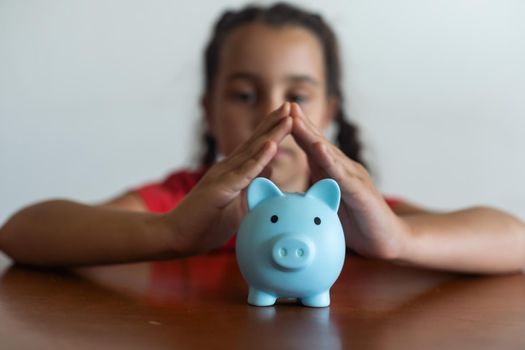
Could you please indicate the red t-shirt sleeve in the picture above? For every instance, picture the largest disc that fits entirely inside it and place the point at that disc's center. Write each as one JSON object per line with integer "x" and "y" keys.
{"x": 161, "y": 197}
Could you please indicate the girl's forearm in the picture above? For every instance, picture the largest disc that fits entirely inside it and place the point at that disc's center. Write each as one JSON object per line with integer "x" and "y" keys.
{"x": 475, "y": 240}
{"x": 65, "y": 233}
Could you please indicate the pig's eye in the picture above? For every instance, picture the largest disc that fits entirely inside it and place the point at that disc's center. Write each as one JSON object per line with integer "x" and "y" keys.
{"x": 274, "y": 219}
{"x": 317, "y": 221}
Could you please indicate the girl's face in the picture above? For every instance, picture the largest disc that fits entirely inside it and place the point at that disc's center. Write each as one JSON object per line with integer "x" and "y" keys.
{"x": 261, "y": 67}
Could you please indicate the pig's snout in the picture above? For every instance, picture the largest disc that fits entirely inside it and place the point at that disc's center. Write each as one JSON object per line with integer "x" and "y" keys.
{"x": 293, "y": 252}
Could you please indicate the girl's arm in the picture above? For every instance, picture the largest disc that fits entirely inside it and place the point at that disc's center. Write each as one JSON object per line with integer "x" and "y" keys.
{"x": 477, "y": 240}
{"x": 66, "y": 233}
{"x": 61, "y": 232}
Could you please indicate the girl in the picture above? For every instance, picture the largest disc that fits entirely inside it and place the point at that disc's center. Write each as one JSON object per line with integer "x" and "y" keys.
{"x": 272, "y": 87}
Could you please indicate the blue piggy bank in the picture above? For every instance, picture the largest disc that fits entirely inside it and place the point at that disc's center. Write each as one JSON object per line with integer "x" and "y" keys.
{"x": 291, "y": 245}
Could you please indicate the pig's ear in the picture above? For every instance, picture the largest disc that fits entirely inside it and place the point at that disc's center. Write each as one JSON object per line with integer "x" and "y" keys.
{"x": 328, "y": 191}
{"x": 261, "y": 189}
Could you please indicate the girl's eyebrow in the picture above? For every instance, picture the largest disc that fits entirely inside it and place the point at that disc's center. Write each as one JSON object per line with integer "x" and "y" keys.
{"x": 301, "y": 79}
{"x": 242, "y": 75}
{"x": 293, "y": 78}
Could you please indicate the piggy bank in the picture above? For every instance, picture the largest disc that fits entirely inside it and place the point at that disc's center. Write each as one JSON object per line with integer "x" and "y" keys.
{"x": 291, "y": 245}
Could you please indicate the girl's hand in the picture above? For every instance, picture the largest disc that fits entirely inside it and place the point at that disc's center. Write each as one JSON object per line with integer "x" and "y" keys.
{"x": 211, "y": 213}
{"x": 371, "y": 227}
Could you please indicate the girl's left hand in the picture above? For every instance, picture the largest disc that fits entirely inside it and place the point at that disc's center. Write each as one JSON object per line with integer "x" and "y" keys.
{"x": 371, "y": 227}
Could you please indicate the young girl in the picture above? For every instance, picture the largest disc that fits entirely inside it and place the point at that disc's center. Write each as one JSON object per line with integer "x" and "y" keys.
{"x": 272, "y": 87}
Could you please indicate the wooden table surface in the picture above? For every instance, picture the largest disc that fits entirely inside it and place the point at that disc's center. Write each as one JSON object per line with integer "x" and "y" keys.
{"x": 200, "y": 302}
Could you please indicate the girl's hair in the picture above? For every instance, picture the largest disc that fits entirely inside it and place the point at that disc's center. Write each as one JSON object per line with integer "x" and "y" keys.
{"x": 279, "y": 15}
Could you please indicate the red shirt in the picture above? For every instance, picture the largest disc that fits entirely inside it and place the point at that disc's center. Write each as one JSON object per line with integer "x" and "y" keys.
{"x": 161, "y": 197}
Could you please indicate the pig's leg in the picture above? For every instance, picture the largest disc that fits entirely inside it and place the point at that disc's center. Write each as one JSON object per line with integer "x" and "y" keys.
{"x": 259, "y": 298}
{"x": 318, "y": 300}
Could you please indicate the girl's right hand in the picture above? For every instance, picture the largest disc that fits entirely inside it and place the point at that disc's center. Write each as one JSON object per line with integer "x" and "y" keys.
{"x": 211, "y": 212}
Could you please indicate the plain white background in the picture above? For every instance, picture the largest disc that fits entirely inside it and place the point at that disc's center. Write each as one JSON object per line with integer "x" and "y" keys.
{"x": 97, "y": 97}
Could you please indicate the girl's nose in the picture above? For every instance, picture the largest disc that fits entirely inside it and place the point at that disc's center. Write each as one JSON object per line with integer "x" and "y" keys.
{"x": 268, "y": 106}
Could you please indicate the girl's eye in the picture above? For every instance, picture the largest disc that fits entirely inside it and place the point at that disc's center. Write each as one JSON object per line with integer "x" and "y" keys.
{"x": 298, "y": 98}
{"x": 245, "y": 97}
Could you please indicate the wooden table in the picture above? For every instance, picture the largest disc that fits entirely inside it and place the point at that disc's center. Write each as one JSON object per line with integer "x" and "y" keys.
{"x": 200, "y": 302}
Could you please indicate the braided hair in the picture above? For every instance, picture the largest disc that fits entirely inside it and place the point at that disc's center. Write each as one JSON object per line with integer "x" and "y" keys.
{"x": 279, "y": 15}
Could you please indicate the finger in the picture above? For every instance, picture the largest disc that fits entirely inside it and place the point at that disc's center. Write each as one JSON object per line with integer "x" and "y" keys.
{"x": 336, "y": 162}
{"x": 305, "y": 134}
{"x": 347, "y": 164}
{"x": 276, "y": 135}
{"x": 297, "y": 112}
{"x": 325, "y": 160}
{"x": 271, "y": 120}
{"x": 311, "y": 136}
{"x": 340, "y": 169}
{"x": 316, "y": 172}
{"x": 239, "y": 178}
{"x": 245, "y": 168}
{"x": 268, "y": 123}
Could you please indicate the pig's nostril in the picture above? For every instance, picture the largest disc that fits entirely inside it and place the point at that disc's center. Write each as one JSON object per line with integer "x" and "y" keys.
{"x": 293, "y": 252}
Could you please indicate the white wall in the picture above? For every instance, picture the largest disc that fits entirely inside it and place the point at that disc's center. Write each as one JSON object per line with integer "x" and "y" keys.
{"x": 100, "y": 96}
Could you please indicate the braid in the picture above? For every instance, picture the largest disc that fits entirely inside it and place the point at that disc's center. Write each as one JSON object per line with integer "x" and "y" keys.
{"x": 348, "y": 138}
{"x": 210, "y": 154}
